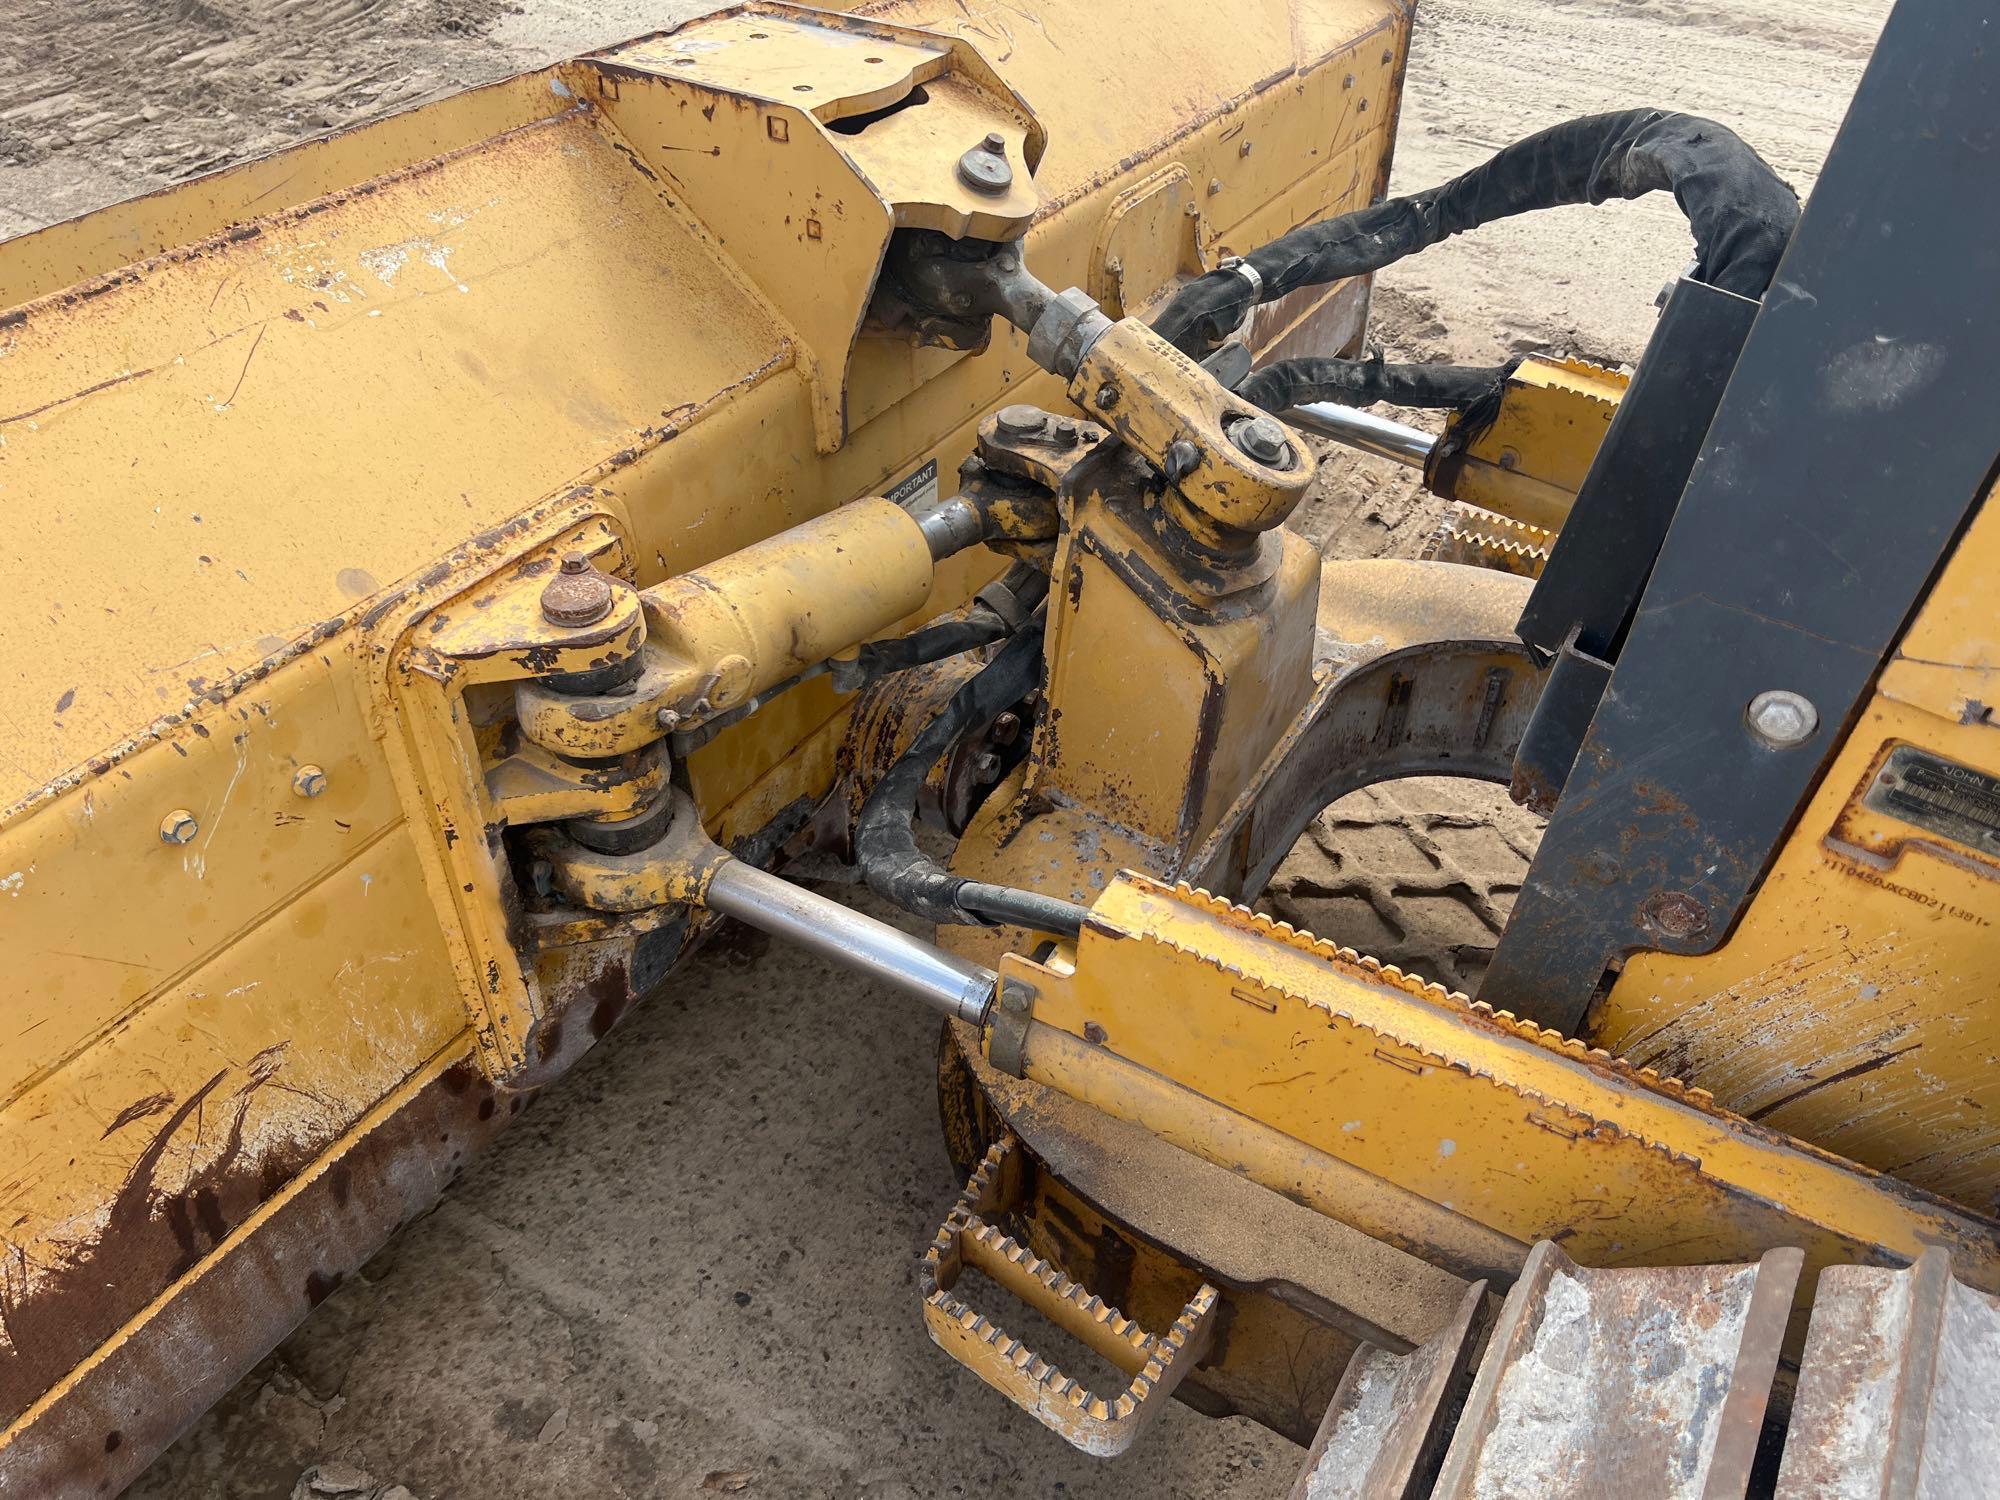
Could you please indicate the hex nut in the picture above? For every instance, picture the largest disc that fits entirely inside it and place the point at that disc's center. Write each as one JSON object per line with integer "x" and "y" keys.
{"x": 1781, "y": 718}
{"x": 178, "y": 827}
{"x": 1263, "y": 440}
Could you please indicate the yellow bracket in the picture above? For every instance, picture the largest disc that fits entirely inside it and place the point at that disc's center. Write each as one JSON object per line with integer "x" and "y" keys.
{"x": 1104, "y": 1426}
{"x": 1153, "y": 396}
{"x": 1528, "y": 464}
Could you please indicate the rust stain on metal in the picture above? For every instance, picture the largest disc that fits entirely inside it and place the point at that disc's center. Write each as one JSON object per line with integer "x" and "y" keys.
{"x": 152, "y": 1234}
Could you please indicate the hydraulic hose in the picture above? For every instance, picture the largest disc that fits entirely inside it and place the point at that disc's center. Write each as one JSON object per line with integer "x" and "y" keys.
{"x": 994, "y": 614}
{"x": 885, "y": 843}
{"x": 1742, "y": 214}
{"x": 1363, "y": 382}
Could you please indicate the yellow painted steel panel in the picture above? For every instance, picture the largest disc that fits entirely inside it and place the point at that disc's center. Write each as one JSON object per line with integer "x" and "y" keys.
{"x": 246, "y": 441}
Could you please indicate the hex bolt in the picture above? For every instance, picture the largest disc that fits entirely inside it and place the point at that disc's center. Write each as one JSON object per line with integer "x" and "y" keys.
{"x": 1095, "y": 1034}
{"x": 309, "y": 781}
{"x": 542, "y": 876}
{"x": 1007, "y": 728}
{"x": 1107, "y": 397}
{"x": 1263, "y": 440}
{"x": 1246, "y": 148}
{"x": 1022, "y": 421}
{"x": 1214, "y": 186}
{"x": 578, "y": 595}
{"x": 178, "y": 827}
{"x": 984, "y": 168}
{"x": 1782, "y": 719}
{"x": 986, "y": 767}
{"x": 1066, "y": 432}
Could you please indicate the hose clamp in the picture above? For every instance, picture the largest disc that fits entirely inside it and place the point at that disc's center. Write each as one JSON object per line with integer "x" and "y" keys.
{"x": 1241, "y": 267}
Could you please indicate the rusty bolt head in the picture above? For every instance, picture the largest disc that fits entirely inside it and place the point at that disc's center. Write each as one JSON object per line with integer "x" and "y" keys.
{"x": 542, "y": 876}
{"x": 578, "y": 595}
{"x": 1095, "y": 1034}
{"x": 178, "y": 827}
{"x": 1006, "y": 729}
{"x": 984, "y": 168}
{"x": 1022, "y": 421}
{"x": 1782, "y": 719}
{"x": 1262, "y": 440}
{"x": 1107, "y": 397}
{"x": 1675, "y": 914}
{"x": 986, "y": 767}
{"x": 309, "y": 781}
{"x": 1066, "y": 432}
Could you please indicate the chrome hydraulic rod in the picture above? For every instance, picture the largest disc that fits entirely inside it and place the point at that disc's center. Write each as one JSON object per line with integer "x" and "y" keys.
{"x": 951, "y": 985}
{"x": 1365, "y": 431}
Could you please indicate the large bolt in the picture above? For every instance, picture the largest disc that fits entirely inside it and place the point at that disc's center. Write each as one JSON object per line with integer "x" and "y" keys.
{"x": 178, "y": 827}
{"x": 309, "y": 781}
{"x": 1782, "y": 719}
{"x": 578, "y": 595}
{"x": 984, "y": 168}
{"x": 1262, "y": 440}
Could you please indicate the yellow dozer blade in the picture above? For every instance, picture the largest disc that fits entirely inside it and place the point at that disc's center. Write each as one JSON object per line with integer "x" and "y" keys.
{"x": 269, "y": 982}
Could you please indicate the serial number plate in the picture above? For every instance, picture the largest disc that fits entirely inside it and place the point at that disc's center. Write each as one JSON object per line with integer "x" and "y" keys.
{"x": 1939, "y": 796}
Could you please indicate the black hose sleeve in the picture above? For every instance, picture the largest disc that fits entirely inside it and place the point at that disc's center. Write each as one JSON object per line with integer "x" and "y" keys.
{"x": 1005, "y": 906}
{"x": 885, "y": 842}
{"x": 1741, "y": 212}
{"x": 994, "y": 613}
{"x": 934, "y": 642}
{"x": 1363, "y": 382}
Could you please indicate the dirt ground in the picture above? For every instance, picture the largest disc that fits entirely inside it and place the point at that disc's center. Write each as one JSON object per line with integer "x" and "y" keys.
{"x": 690, "y": 1270}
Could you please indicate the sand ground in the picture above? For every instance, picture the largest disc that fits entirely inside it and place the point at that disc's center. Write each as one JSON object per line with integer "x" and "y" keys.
{"x": 691, "y": 1267}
